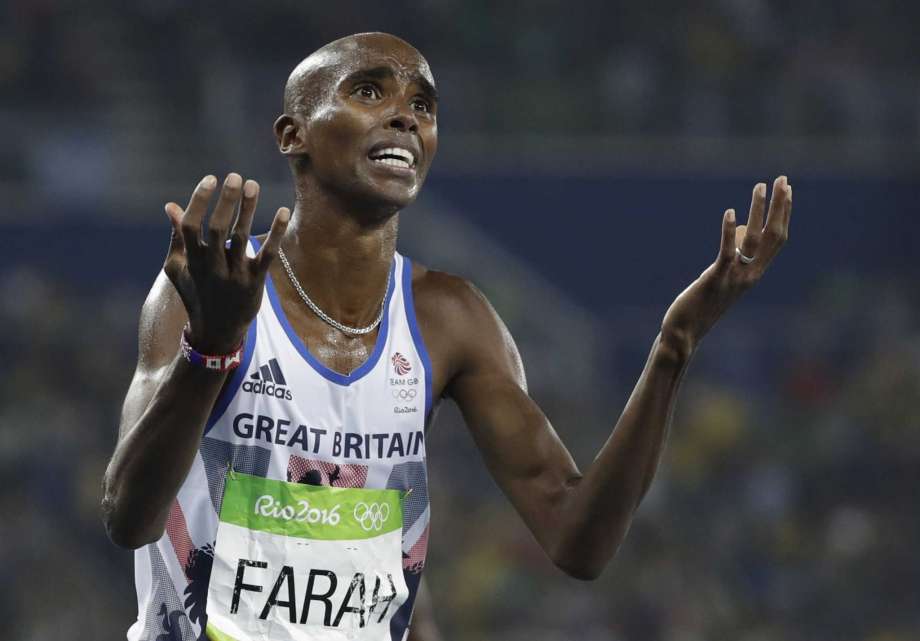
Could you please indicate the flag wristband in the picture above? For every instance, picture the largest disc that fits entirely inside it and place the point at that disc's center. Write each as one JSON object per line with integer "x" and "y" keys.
{"x": 217, "y": 362}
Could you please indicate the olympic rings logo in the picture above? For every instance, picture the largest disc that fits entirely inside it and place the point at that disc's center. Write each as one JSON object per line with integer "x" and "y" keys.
{"x": 404, "y": 394}
{"x": 373, "y": 516}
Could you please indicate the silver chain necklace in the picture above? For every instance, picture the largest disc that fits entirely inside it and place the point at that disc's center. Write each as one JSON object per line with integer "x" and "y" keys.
{"x": 356, "y": 331}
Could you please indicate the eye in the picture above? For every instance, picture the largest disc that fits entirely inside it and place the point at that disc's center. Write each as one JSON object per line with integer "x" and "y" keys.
{"x": 421, "y": 105}
{"x": 367, "y": 91}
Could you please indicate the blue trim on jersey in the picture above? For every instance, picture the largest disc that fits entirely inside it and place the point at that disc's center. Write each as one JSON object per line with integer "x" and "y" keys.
{"x": 416, "y": 332}
{"x": 231, "y": 388}
{"x": 317, "y": 365}
{"x": 403, "y": 616}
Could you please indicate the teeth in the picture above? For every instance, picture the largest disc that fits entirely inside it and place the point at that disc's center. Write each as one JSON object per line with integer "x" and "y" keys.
{"x": 407, "y": 156}
{"x": 393, "y": 162}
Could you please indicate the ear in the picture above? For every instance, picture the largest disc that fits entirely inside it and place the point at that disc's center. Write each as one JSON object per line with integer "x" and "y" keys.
{"x": 290, "y": 136}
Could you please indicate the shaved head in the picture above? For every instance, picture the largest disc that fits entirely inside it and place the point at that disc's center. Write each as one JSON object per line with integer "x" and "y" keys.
{"x": 346, "y": 103}
{"x": 314, "y": 78}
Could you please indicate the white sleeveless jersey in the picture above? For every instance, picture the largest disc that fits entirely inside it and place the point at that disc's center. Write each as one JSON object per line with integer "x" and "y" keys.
{"x": 286, "y": 416}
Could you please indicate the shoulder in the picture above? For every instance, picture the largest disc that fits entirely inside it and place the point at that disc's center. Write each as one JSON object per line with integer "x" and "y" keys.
{"x": 447, "y": 298}
{"x": 460, "y": 323}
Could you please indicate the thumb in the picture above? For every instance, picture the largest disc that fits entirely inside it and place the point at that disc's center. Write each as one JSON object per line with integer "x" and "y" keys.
{"x": 273, "y": 241}
{"x": 176, "y": 242}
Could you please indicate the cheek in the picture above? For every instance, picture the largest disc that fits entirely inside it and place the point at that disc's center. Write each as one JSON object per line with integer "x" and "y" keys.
{"x": 431, "y": 141}
{"x": 336, "y": 133}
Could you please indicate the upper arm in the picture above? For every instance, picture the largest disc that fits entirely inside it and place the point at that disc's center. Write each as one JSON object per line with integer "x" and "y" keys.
{"x": 162, "y": 318}
{"x": 519, "y": 445}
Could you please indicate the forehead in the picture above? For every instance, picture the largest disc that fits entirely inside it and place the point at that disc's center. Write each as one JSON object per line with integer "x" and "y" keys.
{"x": 316, "y": 77}
{"x": 400, "y": 58}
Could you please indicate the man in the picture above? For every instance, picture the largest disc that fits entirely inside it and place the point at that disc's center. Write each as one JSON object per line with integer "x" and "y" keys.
{"x": 295, "y": 410}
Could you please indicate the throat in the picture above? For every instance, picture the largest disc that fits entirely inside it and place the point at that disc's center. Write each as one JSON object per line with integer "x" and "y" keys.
{"x": 349, "y": 309}
{"x": 339, "y": 353}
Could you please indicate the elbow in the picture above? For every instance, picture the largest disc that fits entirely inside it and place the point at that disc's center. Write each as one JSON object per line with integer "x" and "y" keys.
{"x": 128, "y": 538}
{"x": 579, "y": 562}
{"x": 583, "y": 559}
{"x": 126, "y": 535}
{"x": 124, "y": 529}
{"x": 581, "y": 570}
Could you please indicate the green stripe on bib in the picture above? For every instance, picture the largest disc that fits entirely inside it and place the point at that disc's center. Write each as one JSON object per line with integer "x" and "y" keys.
{"x": 213, "y": 634}
{"x": 310, "y": 511}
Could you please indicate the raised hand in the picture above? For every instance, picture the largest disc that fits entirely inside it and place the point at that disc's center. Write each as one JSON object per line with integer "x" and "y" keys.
{"x": 745, "y": 254}
{"x": 220, "y": 286}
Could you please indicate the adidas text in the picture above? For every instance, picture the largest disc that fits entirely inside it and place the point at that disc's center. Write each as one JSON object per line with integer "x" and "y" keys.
{"x": 269, "y": 389}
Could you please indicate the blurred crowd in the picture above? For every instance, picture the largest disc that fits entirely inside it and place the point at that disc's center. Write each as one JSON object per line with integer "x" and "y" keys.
{"x": 783, "y": 510}
{"x": 784, "y": 507}
{"x": 156, "y": 80}
{"x": 845, "y": 69}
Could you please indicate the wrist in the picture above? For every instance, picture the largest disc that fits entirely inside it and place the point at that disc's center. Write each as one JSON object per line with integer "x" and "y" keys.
{"x": 676, "y": 345}
{"x": 213, "y": 342}
{"x": 214, "y": 356}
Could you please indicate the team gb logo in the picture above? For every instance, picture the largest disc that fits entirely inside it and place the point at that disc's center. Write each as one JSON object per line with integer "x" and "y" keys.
{"x": 401, "y": 365}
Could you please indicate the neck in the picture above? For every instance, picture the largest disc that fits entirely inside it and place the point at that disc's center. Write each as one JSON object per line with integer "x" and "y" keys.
{"x": 340, "y": 256}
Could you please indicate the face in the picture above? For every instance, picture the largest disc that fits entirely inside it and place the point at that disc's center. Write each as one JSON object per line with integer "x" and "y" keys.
{"x": 372, "y": 137}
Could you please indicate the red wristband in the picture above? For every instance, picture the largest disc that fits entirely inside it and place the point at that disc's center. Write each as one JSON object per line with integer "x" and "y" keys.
{"x": 218, "y": 362}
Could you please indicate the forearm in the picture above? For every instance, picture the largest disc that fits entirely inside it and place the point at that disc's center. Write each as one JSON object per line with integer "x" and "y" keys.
{"x": 155, "y": 453}
{"x": 598, "y": 509}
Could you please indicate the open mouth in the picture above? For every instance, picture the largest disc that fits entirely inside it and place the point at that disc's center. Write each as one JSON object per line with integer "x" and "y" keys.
{"x": 393, "y": 157}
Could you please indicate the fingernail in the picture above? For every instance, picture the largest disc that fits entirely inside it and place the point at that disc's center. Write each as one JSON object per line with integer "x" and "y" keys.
{"x": 285, "y": 215}
{"x": 249, "y": 188}
{"x": 233, "y": 180}
{"x": 208, "y": 182}
{"x": 730, "y": 215}
{"x": 761, "y": 189}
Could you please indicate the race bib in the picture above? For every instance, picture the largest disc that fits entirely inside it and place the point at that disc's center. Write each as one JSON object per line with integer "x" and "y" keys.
{"x": 305, "y": 563}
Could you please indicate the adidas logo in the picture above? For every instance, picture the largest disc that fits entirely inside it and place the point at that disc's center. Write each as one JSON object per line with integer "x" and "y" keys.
{"x": 268, "y": 380}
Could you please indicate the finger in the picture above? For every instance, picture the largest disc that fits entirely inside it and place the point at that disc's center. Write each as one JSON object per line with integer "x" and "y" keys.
{"x": 270, "y": 248}
{"x": 176, "y": 243}
{"x": 754, "y": 229}
{"x": 775, "y": 213}
{"x": 222, "y": 218}
{"x": 194, "y": 214}
{"x": 241, "y": 229}
{"x": 787, "y": 211}
{"x": 775, "y": 231}
{"x": 740, "y": 233}
{"x": 727, "y": 250}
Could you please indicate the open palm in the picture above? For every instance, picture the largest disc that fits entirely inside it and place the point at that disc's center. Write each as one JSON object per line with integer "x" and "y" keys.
{"x": 745, "y": 253}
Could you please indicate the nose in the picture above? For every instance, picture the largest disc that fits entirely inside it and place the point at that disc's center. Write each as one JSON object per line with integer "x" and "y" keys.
{"x": 404, "y": 121}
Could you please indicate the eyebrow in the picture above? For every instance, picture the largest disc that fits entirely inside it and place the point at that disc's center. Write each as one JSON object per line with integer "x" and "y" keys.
{"x": 383, "y": 73}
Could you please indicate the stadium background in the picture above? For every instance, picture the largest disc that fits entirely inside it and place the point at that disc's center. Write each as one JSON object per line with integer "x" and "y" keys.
{"x": 587, "y": 153}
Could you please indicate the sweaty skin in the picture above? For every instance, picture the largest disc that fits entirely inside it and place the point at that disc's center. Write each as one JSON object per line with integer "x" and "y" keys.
{"x": 340, "y": 103}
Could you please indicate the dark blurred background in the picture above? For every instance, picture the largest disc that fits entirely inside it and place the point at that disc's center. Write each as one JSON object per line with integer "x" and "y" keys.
{"x": 587, "y": 153}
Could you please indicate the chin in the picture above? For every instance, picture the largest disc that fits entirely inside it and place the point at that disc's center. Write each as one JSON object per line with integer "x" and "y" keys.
{"x": 390, "y": 196}
{"x": 399, "y": 198}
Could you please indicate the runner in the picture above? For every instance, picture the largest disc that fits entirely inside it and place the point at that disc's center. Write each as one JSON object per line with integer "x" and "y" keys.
{"x": 271, "y": 470}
